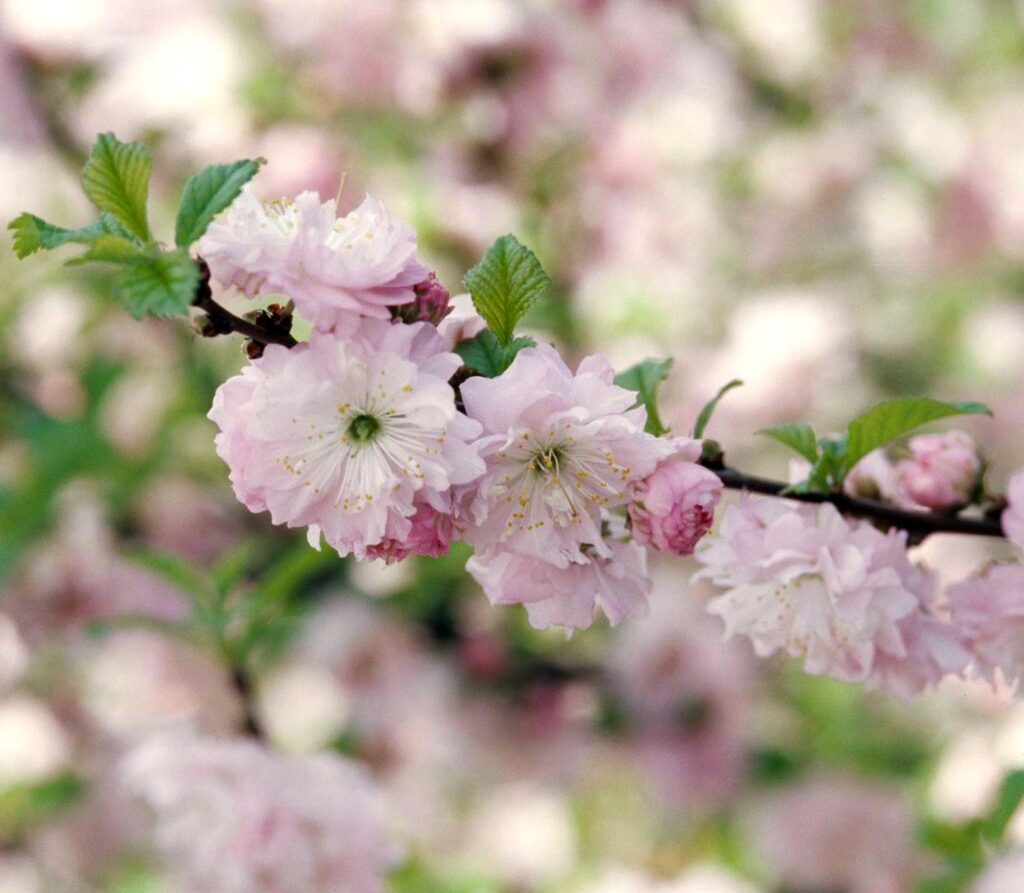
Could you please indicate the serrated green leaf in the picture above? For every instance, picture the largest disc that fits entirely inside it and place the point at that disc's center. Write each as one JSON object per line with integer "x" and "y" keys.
{"x": 485, "y": 355}
{"x": 504, "y": 285}
{"x": 798, "y": 437}
{"x": 886, "y": 421}
{"x": 110, "y": 249}
{"x": 705, "y": 414}
{"x": 208, "y": 193}
{"x": 644, "y": 378}
{"x": 116, "y": 179}
{"x": 31, "y": 233}
{"x": 162, "y": 284}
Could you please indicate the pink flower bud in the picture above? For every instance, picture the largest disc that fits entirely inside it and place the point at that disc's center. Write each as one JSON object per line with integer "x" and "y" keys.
{"x": 430, "y": 534}
{"x": 430, "y": 305}
{"x": 942, "y": 470}
{"x": 1013, "y": 517}
{"x": 674, "y": 506}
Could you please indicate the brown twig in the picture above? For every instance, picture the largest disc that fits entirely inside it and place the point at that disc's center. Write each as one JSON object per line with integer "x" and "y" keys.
{"x": 918, "y": 524}
{"x": 265, "y": 329}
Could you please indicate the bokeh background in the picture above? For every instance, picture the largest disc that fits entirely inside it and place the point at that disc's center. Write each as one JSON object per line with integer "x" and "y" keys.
{"x": 825, "y": 199}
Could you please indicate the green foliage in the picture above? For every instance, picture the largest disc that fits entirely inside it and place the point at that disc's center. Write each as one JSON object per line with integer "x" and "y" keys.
{"x": 644, "y": 378}
{"x": 116, "y": 179}
{"x": 24, "y": 805}
{"x": 966, "y": 847}
{"x": 110, "y": 249}
{"x": 705, "y": 414}
{"x": 31, "y": 233}
{"x": 208, "y": 193}
{"x": 886, "y": 421}
{"x": 162, "y": 283}
{"x": 485, "y": 355}
{"x": 832, "y": 458}
{"x": 413, "y": 877}
{"x": 504, "y": 285}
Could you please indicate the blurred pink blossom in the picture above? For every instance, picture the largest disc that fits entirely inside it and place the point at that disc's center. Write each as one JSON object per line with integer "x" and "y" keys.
{"x": 836, "y": 833}
{"x": 1013, "y": 516}
{"x": 231, "y": 817}
{"x": 989, "y": 610}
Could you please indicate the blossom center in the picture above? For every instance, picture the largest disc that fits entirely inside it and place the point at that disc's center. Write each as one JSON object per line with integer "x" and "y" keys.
{"x": 547, "y": 460}
{"x": 363, "y": 427}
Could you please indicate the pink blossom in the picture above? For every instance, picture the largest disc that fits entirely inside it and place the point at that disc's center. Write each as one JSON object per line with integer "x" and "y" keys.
{"x": 560, "y": 448}
{"x": 933, "y": 648}
{"x": 231, "y": 817}
{"x": 333, "y": 268}
{"x": 989, "y": 611}
{"x": 351, "y": 436}
{"x": 461, "y": 323}
{"x": 675, "y": 505}
{"x": 942, "y": 470}
{"x": 1013, "y": 516}
{"x": 876, "y": 477}
{"x": 803, "y": 580}
{"x": 614, "y": 579}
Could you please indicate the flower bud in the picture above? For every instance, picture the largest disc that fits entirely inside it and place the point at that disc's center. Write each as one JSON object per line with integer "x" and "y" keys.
{"x": 430, "y": 534}
{"x": 942, "y": 470}
{"x": 430, "y": 305}
{"x": 674, "y": 506}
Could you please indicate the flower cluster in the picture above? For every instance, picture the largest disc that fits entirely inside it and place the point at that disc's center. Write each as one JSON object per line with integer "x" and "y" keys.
{"x": 846, "y": 597}
{"x": 357, "y": 434}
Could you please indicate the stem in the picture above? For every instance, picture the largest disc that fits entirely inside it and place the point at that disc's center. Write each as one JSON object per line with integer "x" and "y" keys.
{"x": 225, "y": 322}
{"x": 917, "y": 523}
{"x": 243, "y": 685}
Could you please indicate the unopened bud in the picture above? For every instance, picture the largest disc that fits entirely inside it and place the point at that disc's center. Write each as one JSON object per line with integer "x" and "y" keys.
{"x": 431, "y": 303}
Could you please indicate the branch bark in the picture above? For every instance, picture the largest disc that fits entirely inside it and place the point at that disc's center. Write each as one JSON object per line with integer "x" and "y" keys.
{"x": 918, "y": 524}
{"x": 265, "y": 330}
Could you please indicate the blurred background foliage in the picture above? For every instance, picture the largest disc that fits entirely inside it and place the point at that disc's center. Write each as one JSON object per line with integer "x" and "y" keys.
{"x": 825, "y": 199}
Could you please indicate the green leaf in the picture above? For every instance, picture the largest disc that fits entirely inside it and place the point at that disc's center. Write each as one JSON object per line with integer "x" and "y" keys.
{"x": 110, "y": 249}
{"x": 891, "y": 419}
{"x": 644, "y": 378}
{"x": 827, "y": 472}
{"x": 1011, "y": 794}
{"x": 208, "y": 193}
{"x": 116, "y": 179}
{"x": 504, "y": 285}
{"x": 798, "y": 437}
{"x": 163, "y": 284}
{"x": 705, "y": 414}
{"x": 26, "y": 804}
{"x": 485, "y": 355}
{"x": 31, "y": 233}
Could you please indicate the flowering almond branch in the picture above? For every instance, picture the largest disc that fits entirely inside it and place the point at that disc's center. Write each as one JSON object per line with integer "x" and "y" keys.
{"x": 406, "y": 422}
{"x": 918, "y": 524}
